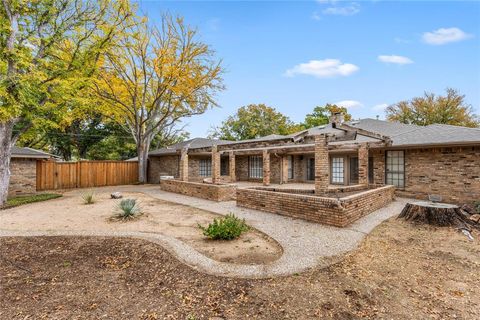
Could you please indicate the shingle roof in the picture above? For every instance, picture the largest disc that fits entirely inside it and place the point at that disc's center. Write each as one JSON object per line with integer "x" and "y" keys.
{"x": 400, "y": 134}
{"x": 413, "y": 135}
{"x": 18, "y": 152}
{"x": 270, "y": 137}
{"x": 192, "y": 144}
{"x": 385, "y": 128}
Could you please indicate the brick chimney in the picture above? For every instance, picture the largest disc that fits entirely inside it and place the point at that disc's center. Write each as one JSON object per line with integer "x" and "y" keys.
{"x": 336, "y": 119}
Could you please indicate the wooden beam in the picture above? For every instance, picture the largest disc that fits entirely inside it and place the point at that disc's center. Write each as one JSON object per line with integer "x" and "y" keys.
{"x": 365, "y": 132}
{"x": 278, "y": 149}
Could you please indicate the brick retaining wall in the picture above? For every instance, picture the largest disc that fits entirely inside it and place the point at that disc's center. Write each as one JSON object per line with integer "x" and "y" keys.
{"x": 216, "y": 192}
{"x": 331, "y": 211}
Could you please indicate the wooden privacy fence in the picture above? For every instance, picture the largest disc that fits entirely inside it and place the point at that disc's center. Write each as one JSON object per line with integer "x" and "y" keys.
{"x": 53, "y": 175}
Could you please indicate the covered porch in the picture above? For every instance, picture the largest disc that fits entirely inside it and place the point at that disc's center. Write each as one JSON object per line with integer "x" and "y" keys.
{"x": 321, "y": 164}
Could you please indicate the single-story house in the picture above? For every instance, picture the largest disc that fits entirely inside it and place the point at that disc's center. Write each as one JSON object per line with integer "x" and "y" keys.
{"x": 418, "y": 160}
{"x": 23, "y": 169}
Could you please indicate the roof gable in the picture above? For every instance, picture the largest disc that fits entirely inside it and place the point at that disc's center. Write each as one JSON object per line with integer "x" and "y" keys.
{"x": 24, "y": 152}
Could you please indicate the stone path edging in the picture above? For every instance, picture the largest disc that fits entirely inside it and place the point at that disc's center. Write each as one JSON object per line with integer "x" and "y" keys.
{"x": 305, "y": 244}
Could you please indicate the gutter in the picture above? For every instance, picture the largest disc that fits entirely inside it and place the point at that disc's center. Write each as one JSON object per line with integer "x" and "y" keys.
{"x": 438, "y": 144}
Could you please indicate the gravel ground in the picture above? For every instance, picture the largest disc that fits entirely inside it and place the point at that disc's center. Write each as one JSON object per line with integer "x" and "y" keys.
{"x": 305, "y": 244}
{"x": 400, "y": 270}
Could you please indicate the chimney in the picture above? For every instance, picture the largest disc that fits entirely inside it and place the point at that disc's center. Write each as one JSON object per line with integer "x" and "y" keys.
{"x": 336, "y": 119}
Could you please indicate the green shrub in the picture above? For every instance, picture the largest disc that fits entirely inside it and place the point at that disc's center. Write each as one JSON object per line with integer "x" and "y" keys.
{"x": 21, "y": 200}
{"x": 128, "y": 209}
{"x": 88, "y": 197}
{"x": 226, "y": 228}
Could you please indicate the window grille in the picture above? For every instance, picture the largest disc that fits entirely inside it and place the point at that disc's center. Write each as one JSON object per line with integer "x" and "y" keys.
{"x": 395, "y": 168}
{"x": 205, "y": 167}
{"x": 255, "y": 167}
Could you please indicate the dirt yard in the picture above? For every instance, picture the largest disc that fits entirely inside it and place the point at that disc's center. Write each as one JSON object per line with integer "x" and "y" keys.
{"x": 171, "y": 219}
{"x": 400, "y": 271}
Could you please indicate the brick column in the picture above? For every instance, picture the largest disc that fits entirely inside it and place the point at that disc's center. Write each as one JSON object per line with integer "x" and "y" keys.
{"x": 284, "y": 174}
{"x": 322, "y": 169}
{"x": 184, "y": 165}
{"x": 215, "y": 165}
{"x": 363, "y": 164}
{"x": 266, "y": 168}
{"x": 231, "y": 166}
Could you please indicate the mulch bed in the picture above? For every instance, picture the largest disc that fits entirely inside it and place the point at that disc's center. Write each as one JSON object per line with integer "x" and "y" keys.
{"x": 398, "y": 272}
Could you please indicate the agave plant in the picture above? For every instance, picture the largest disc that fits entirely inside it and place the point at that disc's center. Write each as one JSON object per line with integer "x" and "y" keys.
{"x": 88, "y": 197}
{"x": 128, "y": 209}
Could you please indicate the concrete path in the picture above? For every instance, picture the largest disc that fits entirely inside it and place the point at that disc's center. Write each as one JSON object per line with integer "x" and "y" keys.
{"x": 305, "y": 244}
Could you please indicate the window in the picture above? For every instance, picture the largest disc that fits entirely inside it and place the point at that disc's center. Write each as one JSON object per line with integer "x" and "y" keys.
{"x": 395, "y": 170}
{"x": 224, "y": 165}
{"x": 290, "y": 167}
{"x": 337, "y": 170}
{"x": 255, "y": 167}
{"x": 205, "y": 167}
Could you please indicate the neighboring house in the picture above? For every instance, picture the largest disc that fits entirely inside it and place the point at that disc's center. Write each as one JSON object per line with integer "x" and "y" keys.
{"x": 434, "y": 159}
{"x": 23, "y": 168}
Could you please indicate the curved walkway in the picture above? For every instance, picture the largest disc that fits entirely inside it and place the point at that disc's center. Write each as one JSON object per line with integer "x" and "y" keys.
{"x": 305, "y": 244}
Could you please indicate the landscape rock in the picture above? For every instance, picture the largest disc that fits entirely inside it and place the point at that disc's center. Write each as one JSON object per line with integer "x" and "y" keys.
{"x": 116, "y": 195}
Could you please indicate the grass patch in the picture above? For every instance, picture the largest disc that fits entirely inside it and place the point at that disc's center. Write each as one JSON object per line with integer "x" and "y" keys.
{"x": 21, "y": 200}
{"x": 227, "y": 228}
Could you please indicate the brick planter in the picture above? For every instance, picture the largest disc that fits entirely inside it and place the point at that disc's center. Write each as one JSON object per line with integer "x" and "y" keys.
{"x": 331, "y": 211}
{"x": 215, "y": 192}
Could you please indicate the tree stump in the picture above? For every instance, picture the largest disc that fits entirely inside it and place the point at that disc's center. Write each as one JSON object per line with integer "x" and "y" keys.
{"x": 437, "y": 214}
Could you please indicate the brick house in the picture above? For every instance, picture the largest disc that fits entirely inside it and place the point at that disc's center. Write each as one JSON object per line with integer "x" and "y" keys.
{"x": 434, "y": 159}
{"x": 23, "y": 169}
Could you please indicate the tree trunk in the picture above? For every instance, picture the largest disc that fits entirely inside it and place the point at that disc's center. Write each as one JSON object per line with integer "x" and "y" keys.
{"x": 6, "y": 129}
{"x": 437, "y": 214}
{"x": 142, "y": 152}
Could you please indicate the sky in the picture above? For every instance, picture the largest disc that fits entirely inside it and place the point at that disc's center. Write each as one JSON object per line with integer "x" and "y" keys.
{"x": 364, "y": 55}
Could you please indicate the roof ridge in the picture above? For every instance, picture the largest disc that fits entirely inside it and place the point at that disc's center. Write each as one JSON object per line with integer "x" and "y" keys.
{"x": 452, "y": 126}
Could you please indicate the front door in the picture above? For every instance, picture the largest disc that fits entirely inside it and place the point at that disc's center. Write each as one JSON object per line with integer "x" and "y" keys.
{"x": 311, "y": 169}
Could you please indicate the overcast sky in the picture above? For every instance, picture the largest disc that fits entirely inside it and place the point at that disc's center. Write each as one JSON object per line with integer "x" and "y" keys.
{"x": 363, "y": 55}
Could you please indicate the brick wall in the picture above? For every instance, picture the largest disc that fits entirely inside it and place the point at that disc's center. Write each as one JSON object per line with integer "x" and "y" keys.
{"x": 378, "y": 166}
{"x": 299, "y": 168}
{"x": 23, "y": 179}
{"x": 241, "y": 168}
{"x": 453, "y": 173}
{"x": 162, "y": 166}
{"x": 322, "y": 167}
{"x": 331, "y": 211}
{"x": 200, "y": 190}
{"x": 275, "y": 168}
{"x": 194, "y": 168}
